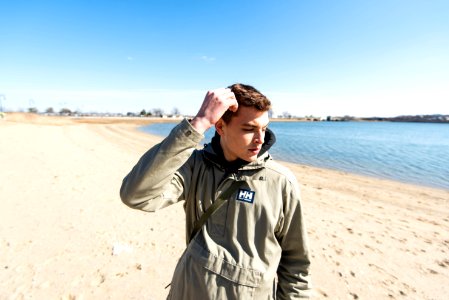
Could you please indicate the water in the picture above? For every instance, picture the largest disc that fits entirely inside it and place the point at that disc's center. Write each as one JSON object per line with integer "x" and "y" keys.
{"x": 415, "y": 153}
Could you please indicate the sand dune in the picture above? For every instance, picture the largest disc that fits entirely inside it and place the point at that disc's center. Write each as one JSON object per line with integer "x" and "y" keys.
{"x": 64, "y": 233}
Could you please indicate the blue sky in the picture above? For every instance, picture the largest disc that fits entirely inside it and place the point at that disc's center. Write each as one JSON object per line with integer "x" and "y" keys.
{"x": 360, "y": 58}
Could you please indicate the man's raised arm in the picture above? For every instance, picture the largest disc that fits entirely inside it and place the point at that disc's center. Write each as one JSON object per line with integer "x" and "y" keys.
{"x": 161, "y": 175}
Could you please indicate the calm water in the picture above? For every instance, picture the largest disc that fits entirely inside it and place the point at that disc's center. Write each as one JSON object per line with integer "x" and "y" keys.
{"x": 410, "y": 152}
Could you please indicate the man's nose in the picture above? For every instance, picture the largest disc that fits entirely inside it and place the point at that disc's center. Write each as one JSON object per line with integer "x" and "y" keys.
{"x": 259, "y": 137}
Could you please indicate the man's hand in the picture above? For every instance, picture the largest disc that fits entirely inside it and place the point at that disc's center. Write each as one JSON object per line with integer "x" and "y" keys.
{"x": 215, "y": 104}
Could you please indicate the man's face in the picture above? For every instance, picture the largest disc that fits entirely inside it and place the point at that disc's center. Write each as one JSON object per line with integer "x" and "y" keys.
{"x": 244, "y": 135}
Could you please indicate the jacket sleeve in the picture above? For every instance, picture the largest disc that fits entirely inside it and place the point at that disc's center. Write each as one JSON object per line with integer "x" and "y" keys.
{"x": 161, "y": 175}
{"x": 293, "y": 271}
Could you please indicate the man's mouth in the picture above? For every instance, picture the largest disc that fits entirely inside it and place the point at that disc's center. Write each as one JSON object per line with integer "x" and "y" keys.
{"x": 255, "y": 150}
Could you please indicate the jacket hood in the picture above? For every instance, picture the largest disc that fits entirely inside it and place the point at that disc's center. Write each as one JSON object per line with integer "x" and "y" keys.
{"x": 214, "y": 152}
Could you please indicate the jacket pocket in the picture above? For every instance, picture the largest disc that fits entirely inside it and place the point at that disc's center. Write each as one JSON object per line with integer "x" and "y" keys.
{"x": 202, "y": 275}
{"x": 233, "y": 273}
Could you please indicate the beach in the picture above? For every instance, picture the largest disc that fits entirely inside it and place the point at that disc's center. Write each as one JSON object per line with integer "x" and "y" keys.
{"x": 65, "y": 234}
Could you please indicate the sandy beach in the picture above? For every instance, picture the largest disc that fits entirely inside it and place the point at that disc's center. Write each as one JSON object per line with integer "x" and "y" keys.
{"x": 65, "y": 234}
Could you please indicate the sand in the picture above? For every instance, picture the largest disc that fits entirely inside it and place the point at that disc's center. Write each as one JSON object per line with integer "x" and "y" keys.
{"x": 64, "y": 233}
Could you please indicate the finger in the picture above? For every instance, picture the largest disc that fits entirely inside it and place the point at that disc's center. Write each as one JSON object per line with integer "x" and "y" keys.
{"x": 226, "y": 96}
{"x": 233, "y": 104}
{"x": 221, "y": 94}
{"x": 221, "y": 91}
{"x": 234, "y": 107}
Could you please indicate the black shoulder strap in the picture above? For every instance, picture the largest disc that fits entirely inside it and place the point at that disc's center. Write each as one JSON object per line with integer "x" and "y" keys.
{"x": 213, "y": 208}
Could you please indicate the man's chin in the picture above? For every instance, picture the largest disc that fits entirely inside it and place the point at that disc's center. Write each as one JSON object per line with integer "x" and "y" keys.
{"x": 251, "y": 158}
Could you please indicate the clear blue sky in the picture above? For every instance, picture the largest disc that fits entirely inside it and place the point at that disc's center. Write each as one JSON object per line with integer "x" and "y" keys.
{"x": 361, "y": 58}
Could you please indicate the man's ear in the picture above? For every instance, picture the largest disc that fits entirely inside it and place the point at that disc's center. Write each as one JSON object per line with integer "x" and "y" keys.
{"x": 219, "y": 126}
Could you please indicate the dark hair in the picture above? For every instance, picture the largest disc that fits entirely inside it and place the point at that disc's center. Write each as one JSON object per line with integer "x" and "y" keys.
{"x": 248, "y": 96}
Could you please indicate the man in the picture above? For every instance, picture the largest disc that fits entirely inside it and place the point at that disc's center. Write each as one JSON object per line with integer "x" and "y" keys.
{"x": 254, "y": 245}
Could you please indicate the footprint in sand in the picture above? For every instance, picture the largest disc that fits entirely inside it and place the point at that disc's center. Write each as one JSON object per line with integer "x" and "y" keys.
{"x": 443, "y": 263}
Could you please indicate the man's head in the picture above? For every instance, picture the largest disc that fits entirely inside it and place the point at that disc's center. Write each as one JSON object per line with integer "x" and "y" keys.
{"x": 242, "y": 132}
{"x": 247, "y": 96}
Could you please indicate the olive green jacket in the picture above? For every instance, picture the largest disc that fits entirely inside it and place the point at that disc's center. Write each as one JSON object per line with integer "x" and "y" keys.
{"x": 253, "y": 247}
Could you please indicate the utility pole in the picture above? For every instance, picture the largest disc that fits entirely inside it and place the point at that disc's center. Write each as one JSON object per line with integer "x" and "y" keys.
{"x": 2, "y": 98}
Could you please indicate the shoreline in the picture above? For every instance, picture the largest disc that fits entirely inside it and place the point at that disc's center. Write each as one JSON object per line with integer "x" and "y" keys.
{"x": 373, "y": 177}
{"x": 354, "y": 172}
{"x": 64, "y": 232}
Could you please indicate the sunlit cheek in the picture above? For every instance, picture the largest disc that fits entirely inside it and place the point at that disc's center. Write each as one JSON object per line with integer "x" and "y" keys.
{"x": 251, "y": 137}
{"x": 247, "y": 136}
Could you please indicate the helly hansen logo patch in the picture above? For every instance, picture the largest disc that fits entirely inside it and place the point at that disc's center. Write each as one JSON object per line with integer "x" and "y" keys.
{"x": 246, "y": 195}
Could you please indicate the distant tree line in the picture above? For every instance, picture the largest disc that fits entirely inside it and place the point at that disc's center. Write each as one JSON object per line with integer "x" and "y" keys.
{"x": 158, "y": 112}
{"x": 155, "y": 112}
{"x": 417, "y": 118}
